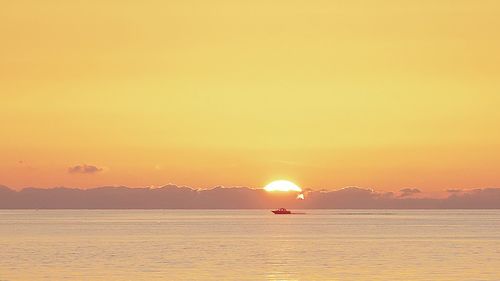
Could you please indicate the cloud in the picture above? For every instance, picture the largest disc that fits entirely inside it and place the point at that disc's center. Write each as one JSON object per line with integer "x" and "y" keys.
{"x": 181, "y": 197}
{"x": 407, "y": 192}
{"x": 84, "y": 169}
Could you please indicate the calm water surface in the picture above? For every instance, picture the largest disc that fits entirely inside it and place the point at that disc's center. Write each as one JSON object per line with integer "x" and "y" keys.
{"x": 249, "y": 245}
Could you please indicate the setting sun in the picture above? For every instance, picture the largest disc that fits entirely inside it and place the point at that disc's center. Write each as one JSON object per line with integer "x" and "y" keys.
{"x": 282, "y": 185}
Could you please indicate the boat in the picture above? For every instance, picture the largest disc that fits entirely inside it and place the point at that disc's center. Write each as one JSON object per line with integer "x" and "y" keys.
{"x": 281, "y": 211}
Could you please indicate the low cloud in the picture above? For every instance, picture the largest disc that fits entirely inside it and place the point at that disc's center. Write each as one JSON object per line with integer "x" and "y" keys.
{"x": 179, "y": 197}
{"x": 407, "y": 192}
{"x": 84, "y": 169}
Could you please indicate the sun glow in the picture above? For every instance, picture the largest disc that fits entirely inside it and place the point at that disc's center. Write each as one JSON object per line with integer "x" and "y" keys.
{"x": 282, "y": 185}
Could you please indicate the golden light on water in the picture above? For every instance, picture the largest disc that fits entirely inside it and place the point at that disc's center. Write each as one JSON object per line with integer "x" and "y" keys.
{"x": 282, "y": 185}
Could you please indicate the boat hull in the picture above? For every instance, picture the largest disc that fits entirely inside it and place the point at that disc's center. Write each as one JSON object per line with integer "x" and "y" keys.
{"x": 276, "y": 212}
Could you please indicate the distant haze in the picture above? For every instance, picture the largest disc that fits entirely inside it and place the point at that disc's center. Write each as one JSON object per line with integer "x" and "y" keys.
{"x": 174, "y": 197}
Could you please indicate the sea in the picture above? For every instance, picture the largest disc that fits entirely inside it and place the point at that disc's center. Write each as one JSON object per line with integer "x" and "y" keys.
{"x": 220, "y": 245}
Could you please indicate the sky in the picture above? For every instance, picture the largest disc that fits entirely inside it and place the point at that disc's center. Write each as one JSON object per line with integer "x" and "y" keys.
{"x": 383, "y": 94}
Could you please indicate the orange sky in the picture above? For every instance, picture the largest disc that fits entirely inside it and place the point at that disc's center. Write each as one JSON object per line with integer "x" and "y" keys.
{"x": 383, "y": 94}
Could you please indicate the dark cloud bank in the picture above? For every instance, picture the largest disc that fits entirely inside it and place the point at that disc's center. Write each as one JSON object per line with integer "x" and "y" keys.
{"x": 405, "y": 192}
{"x": 174, "y": 197}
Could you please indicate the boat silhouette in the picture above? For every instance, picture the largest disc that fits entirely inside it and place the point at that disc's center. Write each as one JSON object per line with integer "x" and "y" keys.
{"x": 281, "y": 211}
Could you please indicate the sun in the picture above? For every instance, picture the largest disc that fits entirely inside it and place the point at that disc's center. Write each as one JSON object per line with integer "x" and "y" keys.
{"x": 282, "y": 185}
